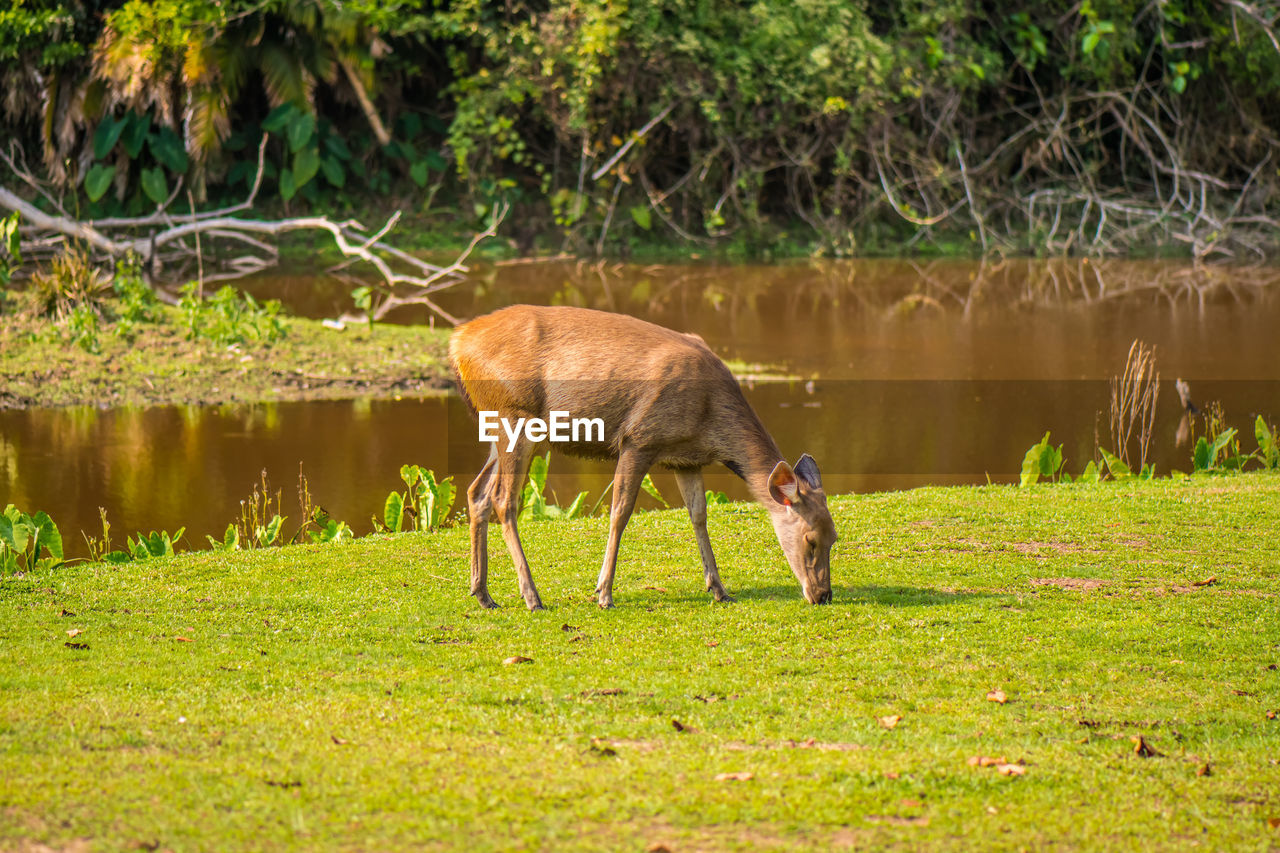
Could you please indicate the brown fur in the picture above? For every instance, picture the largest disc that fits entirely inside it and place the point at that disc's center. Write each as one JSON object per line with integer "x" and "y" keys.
{"x": 665, "y": 398}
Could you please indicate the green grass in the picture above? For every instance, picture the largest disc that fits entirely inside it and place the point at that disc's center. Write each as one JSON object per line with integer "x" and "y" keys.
{"x": 353, "y": 697}
{"x": 160, "y": 366}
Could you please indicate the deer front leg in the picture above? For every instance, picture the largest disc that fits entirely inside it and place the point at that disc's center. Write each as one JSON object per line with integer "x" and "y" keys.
{"x": 632, "y": 466}
{"x": 513, "y": 467}
{"x": 479, "y": 510}
{"x": 695, "y": 499}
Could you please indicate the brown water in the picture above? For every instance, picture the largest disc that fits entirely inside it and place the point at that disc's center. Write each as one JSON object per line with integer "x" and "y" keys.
{"x": 921, "y": 373}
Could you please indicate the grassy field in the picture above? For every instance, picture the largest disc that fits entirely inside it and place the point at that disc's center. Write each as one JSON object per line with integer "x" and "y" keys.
{"x": 353, "y": 697}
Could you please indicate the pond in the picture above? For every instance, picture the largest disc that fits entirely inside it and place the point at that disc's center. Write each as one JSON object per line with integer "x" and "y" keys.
{"x": 901, "y": 373}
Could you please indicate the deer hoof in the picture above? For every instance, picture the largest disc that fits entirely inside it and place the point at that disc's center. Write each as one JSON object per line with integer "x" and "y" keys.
{"x": 486, "y": 602}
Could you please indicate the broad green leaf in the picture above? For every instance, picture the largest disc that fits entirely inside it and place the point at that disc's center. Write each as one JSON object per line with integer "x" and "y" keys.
{"x": 288, "y": 187}
{"x": 305, "y": 165}
{"x": 419, "y": 173}
{"x": 1090, "y": 474}
{"x": 302, "y": 127}
{"x": 1224, "y": 438}
{"x": 135, "y": 134}
{"x": 538, "y": 471}
{"x": 107, "y": 135}
{"x": 166, "y": 146}
{"x": 1031, "y": 464}
{"x": 1115, "y": 466}
{"x": 642, "y": 216}
{"x": 436, "y": 161}
{"x": 575, "y": 509}
{"x": 48, "y": 538}
{"x": 1202, "y": 456}
{"x": 393, "y": 512}
{"x": 155, "y": 185}
{"x": 333, "y": 172}
{"x": 1178, "y": 84}
{"x": 652, "y": 491}
{"x": 98, "y": 180}
{"x": 337, "y": 147}
{"x": 1090, "y": 42}
{"x": 279, "y": 118}
{"x": 13, "y": 535}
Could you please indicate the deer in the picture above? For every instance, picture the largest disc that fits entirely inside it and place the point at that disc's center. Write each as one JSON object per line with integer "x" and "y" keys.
{"x": 665, "y": 399}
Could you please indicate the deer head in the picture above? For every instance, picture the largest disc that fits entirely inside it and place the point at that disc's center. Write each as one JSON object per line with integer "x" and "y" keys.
{"x": 804, "y": 526}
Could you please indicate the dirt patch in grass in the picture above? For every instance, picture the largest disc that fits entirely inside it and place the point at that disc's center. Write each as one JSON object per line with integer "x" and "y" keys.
{"x": 1036, "y": 549}
{"x": 1071, "y": 584}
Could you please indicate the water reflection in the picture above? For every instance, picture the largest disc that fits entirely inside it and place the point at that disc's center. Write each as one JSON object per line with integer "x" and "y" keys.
{"x": 922, "y": 372}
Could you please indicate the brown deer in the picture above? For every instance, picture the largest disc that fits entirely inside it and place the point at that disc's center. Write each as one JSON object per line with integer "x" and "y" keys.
{"x": 665, "y": 399}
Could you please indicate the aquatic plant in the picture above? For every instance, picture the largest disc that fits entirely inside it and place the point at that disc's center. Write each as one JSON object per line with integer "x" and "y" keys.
{"x": 426, "y": 501}
{"x": 28, "y": 541}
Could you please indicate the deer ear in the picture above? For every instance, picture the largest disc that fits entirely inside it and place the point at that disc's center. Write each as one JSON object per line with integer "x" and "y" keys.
{"x": 782, "y": 483}
{"x": 807, "y": 470}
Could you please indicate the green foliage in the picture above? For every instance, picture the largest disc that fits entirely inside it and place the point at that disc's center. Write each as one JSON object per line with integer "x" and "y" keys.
{"x": 710, "y": 121}
{"x": 230, "y": 317}
{"x": 652, "y": 491}
{"x": 10, "y": 246}
{"x": 230, "y": 540}
{"x": 1268, "y": 444}
{"x": 426, "y": 502}
{"x": 1041, "y": 460}
{"x": 157, "y": 543}
{"x": 533, "y": 499}
{"x": 714, "y": 498}
{"x": 28, "y": 542}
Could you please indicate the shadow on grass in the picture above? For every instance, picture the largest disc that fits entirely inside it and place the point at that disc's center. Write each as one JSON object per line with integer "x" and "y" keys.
{"x": 884, "y": 596}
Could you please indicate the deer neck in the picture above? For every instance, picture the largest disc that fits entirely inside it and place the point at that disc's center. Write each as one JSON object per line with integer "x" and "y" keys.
{"x": 752, "y": 456}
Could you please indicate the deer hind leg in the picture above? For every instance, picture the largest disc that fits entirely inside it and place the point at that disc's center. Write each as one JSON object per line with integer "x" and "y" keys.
{"x": 479, "y": 512}
{"x": 513, "y": 468}
{"x": 632, "y": 466}
{"x": 695, "y": 499}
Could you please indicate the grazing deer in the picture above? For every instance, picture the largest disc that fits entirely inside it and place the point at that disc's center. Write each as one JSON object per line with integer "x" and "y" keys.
{"x": 665, "y": 398}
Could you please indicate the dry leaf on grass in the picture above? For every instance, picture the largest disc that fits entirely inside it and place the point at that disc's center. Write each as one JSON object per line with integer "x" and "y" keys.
{"x": 1204, "y": 770}
{"x": 682, "y": 727}
{"x": 986, "y": 761}
{"x": 182, "y": 639}
{"x": 517, "y": 659}
{"x": 657, "y": 847}
{"x": 80, "y": 646}
{"x": 1010, "y": 769}
{"x": 340, "y": 741}
{"x": 1142, "y": 748}
{"x": 1209, "y": 581}
{"x": 735, "y": 777}
{"x": 890, "y": 721}
{"x": 1273, "y": 822}
{"x": 1271, "y": 715}
{"x": 911, "y": 804}
{"x": 997, "y": 696}
{"x": 713, "y": 644}
{"x": 74, "y": 632}
{"x": 569, "y": 628}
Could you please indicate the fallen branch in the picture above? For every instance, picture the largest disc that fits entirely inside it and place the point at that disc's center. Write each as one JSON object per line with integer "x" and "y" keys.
{"x": 160, "y": 238}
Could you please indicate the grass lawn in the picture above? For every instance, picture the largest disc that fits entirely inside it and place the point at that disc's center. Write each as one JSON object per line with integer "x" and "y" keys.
{"x": 354, "y": 697}
{"x": 160, "y": 366}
